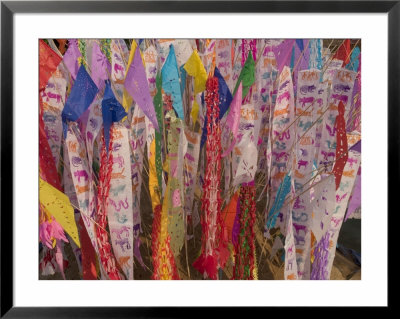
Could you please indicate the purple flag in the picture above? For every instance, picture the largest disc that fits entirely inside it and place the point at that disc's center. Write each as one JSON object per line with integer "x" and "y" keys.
{"x": 137, "y": 86}
{"x": 283, "y": 52}
{"x": 100, "y": 67}
{"x": 71, "y": 57}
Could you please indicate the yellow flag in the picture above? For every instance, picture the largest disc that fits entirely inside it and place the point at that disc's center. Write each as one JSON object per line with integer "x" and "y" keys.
{"x": 57, "y": 204}
{"x": 195, "y": 68}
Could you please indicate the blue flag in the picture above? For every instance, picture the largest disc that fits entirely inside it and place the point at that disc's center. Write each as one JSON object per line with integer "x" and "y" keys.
{"x": 81, "y": 96}
{"x": 225, "y": 99}
{"x": 112, "y": 111}
{"x": 225, "y": 96}
{"x": 170, "y": 81}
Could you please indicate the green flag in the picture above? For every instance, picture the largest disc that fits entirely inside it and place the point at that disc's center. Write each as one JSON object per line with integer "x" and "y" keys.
{"x": 247, "y": 75}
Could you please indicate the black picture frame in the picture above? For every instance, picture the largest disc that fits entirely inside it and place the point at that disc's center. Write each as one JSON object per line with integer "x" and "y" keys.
{"x": 9, "y": 8}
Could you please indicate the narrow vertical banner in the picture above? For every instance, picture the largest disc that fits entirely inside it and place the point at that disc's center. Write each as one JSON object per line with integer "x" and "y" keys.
{"x": 341, "y": 91}
{"x": 261, "y": 98}
{"x": 176, "y": 144}
{"x": 119, "y": 208}
{"x": 307, "y": 94}
{"x": 164, "y": 267}
{"x": 322, "y": 206}
{"x": 268, "y": 78}
{"x": 320, "y": 107}
{"x": 158, "y": 135}
{"x": 290, "y": 272}
{"x": 283, "y": 137}
{"x": 82, "y": 180}
{"x": 342, "y": 199}
{"x": 191, "y": 161}
{"x": 53, "y": 99}
{"x": 137, "y": 140}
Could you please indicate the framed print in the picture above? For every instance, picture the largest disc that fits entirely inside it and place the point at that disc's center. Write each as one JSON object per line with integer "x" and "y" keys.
{"x": 163, "y": 154}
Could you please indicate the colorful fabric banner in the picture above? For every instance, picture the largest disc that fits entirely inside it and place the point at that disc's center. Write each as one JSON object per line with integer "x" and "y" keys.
{"x": 283, "y": 137}
{"x": 52, "y": 104}
{"x": 119, "y": 209}
{"x": 191, "y": 161}
{"x": 82, "y": 180}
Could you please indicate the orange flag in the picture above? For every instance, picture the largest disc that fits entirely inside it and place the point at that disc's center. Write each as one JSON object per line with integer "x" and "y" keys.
{"x": 229, "y": 214}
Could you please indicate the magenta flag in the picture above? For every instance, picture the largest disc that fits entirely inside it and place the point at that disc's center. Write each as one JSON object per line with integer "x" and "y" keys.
{"x": 137, "y": 86}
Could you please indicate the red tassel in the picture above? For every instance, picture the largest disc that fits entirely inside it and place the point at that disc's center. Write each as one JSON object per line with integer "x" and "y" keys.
{"x": 214, "y": 251}
{"x": 106, "y": 256}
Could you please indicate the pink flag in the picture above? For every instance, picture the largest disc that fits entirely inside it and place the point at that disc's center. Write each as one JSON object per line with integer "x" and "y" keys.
{"x": 137, "y": 86}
